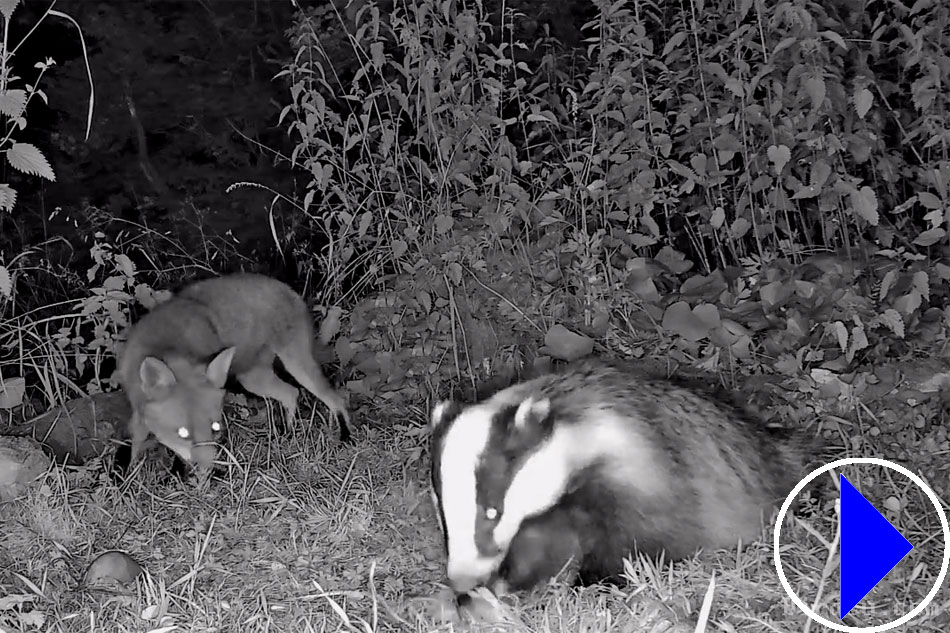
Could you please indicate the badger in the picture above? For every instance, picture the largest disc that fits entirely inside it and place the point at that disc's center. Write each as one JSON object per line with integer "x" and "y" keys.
{"x": 594, "y": 463}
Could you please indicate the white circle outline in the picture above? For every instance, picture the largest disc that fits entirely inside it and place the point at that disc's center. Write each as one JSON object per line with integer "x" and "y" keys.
{"x": 887, "y": 626}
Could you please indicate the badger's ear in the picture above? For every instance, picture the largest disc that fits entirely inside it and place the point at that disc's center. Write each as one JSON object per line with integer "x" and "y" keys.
{"x": 442, "y": 412}
{"x": 533, "y": 416}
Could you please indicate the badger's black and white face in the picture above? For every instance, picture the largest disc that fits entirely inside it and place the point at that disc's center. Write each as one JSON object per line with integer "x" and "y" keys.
{"x": 494, "y": 464}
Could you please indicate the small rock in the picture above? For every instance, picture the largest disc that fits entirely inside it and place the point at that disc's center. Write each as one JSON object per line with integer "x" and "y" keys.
{"x": 110, "y": 568}
{"x": 82, "y": 428}
{"x": 22, "y": 460}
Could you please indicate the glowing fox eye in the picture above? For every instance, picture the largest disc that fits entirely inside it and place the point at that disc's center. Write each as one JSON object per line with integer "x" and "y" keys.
{"x": 183, "y": 433}
{"x": 491, "y": 514}
{"x": 215, "y": 426}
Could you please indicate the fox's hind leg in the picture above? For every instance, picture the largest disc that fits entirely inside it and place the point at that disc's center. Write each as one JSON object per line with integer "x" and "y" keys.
{"x": 264, "y": 382}
{"x": 299, "y": 362}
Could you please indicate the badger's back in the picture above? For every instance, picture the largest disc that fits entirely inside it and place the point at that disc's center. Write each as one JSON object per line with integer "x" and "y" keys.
{"x": 716, "y": 471}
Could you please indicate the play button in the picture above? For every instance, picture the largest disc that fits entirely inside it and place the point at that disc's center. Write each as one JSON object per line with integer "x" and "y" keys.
{"x": 870, "y": 547}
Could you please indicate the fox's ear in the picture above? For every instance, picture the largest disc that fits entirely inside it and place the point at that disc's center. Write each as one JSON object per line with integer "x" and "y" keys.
{"x": 155, "y": 375}
{"x": 218, "y": 368}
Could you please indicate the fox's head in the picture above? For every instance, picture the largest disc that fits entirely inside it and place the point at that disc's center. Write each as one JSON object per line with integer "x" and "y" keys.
{"x": 183, "y": 404}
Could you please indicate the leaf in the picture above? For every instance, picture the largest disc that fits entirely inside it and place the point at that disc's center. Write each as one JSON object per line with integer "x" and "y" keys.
{"x": 921, "y": 284}
{"x": 645, "y": 289}
{"x": 823, "y": 376}
{"x": 562, "y": 343}
{"x": 805, "y": 289}
{"x": 834, "y": 37}
{"x": 859, "y": 341}
{"x": 742, "y": 348}
{"x": 542, "y": 117}
{"x": 15, "y": 600}
{"x": 930, "y": 237}
{"x": 779, "y": 155}
{"x": 29, "y": 159}
{"x": 864, "y": 203}
{"x": 744, "y": 6}
{"x": 641, "y": 241}
{"x": 12, "y": 103}
{"x": 698, "y": 163}
{"x": 7, "y": 198}
{"x": 841, "y": 333}
{"x": 908, "y": 303}
{"x": 739, "y": 228}
{"x": 11, "y": 392}
{"x": 815, "y": 87}
{"x": 454, "y": 272}
{"x": 399, "y": 248}
{"x": 330, "y": 326}
{"x": 366, "y": 221}
{"x": 6, "y": 282}
{"x": 863, "y": 100}
{"x": 674, "y": 260}
{"x": 377, "y": 55}
{"x": 781, "y": 46}
{"x": 683, "y": 170}
{"x": 807, "y": 192}
{"x": 775, "y": 293}
{"x": 425, "y": 300}
{"x": 923, "y": 92}
{"x": 708, "y": 313}
{"x": 820, "y": 172}
{"x": 889, "y": 278}
{"x": 7, "y": 7}
{"x": 443, "y": 223}
{"x": 937, "y": 382}
{"x": 345, "y": 350}
{"x": 929, "y": 200}
{"x": 678, "y": 38}
{"x": 125, "y": 264}
{"x": 893, "y": 320}
{"x": 691, "y": 325}
{"x": 718, "y": 217}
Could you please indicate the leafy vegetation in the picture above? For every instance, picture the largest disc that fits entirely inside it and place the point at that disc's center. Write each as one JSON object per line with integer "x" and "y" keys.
{"x": 757, "y": 192}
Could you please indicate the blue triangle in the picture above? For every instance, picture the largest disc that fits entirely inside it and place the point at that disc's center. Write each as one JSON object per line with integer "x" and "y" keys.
{"x": 870, "y": 547}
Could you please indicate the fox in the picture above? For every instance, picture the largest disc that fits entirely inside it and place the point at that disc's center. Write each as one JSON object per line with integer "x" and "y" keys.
{"x": 178, "y": 357}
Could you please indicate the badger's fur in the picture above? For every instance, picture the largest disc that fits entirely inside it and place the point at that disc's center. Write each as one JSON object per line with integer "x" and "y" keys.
{"x": 596, "y": 462}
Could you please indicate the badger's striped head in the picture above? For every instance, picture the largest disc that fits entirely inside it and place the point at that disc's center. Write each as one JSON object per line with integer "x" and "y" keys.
{"x": 494, "y": 464}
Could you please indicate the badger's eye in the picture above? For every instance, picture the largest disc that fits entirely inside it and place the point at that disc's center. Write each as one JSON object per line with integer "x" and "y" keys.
{"x": 491, "y": 514}
{"x": 183, "y": 433}
{"x": 215, "y": 426}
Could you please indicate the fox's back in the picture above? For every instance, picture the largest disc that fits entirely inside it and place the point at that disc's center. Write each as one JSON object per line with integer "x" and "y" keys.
{"x": 250, "y": 312}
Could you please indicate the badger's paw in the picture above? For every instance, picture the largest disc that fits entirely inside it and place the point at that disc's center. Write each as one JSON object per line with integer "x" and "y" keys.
{"x": 483, "y": 606}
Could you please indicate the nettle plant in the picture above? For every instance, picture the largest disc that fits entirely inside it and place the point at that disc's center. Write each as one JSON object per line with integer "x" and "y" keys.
{"x": 21, "y": 334}
{"x": 709, "y": 179}
{"x": 405, "y": 148}
{"x": 726, "y": 152}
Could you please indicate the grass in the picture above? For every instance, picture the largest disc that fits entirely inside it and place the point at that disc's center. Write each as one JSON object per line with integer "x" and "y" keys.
{"x": 305, "y": 535}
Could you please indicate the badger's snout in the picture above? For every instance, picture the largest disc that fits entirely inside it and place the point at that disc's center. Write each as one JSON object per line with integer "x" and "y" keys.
{"x": 468, "y": 575}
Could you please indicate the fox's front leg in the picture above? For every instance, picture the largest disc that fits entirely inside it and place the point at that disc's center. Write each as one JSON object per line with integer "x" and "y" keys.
{"x": 140, "y": 437}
